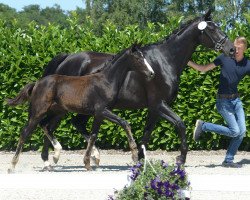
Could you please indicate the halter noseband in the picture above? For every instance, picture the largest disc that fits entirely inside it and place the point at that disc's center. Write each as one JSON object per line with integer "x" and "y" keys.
{"x": 217, "y": 44}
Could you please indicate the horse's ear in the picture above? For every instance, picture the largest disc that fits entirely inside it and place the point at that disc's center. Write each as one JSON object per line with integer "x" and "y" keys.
{"x": 207, "y": 16}
{"x": 135, "y": 46}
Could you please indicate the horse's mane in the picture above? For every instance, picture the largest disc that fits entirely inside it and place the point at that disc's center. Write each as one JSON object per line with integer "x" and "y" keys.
{"x": 175, "y": 33}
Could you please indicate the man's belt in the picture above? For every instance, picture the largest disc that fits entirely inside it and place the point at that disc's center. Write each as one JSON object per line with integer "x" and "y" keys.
{"x": 228, "y": 96}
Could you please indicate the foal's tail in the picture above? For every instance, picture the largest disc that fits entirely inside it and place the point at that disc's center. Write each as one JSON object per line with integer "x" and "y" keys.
{"x": 23, "y": 96}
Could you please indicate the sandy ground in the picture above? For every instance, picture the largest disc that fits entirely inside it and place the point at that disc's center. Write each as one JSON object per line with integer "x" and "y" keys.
{"x": 113, "y": 164}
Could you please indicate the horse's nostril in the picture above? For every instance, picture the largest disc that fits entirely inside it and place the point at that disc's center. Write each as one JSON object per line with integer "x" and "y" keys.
{"x": 152, "y": 74}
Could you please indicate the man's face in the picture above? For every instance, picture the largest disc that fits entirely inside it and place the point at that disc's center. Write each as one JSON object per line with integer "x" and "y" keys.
{"x": 239, "y": 49}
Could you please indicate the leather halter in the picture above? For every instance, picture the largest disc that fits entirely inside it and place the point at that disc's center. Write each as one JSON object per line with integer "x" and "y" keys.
{"x": 217, "y": 44}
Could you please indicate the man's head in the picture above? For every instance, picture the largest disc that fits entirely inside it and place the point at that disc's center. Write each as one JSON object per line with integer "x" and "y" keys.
{"x": 240, "y": 44}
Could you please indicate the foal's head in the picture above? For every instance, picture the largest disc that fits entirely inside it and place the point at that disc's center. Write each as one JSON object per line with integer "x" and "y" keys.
{"x": 139, "y": 62}
{"x": 212, "y": 36}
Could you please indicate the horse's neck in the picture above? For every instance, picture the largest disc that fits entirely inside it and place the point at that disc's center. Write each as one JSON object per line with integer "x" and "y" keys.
{"x": 115, "y": 73}
{"x": 179, "y": 50}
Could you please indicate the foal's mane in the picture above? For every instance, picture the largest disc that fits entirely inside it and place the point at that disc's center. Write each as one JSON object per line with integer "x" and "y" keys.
{"x": 115, "y": 58}
{"x": 112, "y": 60}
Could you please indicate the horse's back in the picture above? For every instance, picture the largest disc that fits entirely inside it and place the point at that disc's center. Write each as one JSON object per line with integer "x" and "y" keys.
{"x": 82, "y": 63}
{"x": 54, "y": 63}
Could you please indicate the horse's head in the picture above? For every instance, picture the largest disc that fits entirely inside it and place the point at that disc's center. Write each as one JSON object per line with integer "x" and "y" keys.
{"x": 213, "y": 37}
{"x": 139, "y": 62}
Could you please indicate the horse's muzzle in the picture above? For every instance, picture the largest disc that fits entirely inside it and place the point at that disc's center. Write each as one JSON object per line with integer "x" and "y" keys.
{"x": 232, "y": 52}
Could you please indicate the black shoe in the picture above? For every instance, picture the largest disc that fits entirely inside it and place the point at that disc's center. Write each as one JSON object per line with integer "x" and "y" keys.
{"x": 197, "y": 130}
{"x": 231, "y": 164}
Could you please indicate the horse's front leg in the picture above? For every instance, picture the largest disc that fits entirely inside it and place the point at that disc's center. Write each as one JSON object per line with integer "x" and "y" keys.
{"x": 124, "y": 124}
{"x": 26, "y": 132}
{"x": 95, "y": 129}
{"x": 166, "y": 112}
{"x": 80, "y": 122}
{"x": 152, "y": 119}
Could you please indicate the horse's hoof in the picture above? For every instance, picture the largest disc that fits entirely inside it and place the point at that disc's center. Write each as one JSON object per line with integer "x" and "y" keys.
{"x": 96, "y": 161}
{"x": 135, "y": 157}
{"x": 55, "y": 159}
{"x": 86, "y": 161}
{"x": 180, "y": 160}
{"x": 88, "y": 167}
{"x": 48, "y": 168}
{"x": 95, "y": 153}
{"x": 11, "y": 171}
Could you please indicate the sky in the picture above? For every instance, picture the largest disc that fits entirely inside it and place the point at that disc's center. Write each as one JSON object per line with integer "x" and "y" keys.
{"x": 65, "y": 5}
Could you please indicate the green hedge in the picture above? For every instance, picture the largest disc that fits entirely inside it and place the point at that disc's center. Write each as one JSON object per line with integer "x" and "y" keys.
{"x": 25, "y": 53}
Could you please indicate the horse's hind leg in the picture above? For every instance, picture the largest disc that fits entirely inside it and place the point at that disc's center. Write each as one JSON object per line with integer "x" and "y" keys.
{"x": 80, "y": 122}
{"x": 166, "y": 112}
{"x": 26, "y": 132}
{"x": 123, "y": 123}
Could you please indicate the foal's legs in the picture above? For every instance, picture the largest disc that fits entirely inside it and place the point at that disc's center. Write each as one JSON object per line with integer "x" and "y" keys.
{"x": 166, "y": 112}
{"x": 80, "y": 122}
{"x": 124, "y": 124}
{"x": 26, "y": 132}
{"x": 95, "y": 129}
{"x": 107, "y": 114}
{"x": 49, "y": 124}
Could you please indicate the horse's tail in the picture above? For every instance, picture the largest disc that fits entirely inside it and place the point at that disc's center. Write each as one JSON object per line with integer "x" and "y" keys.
{"x": 54, "y": 63}
{"x": 23, "y": 96}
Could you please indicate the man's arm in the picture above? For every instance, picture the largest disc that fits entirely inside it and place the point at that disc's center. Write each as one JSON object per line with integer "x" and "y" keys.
{"x": 201, "y": 68}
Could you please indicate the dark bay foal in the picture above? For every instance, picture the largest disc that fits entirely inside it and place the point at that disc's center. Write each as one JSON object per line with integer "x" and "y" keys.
{"x": 93, "y": 94}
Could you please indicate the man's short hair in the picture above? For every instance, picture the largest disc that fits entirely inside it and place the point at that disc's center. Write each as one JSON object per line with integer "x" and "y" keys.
{"x": 242, "y": 40}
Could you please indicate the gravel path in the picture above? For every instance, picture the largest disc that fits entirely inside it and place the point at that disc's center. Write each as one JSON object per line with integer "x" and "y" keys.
{"x": 114, "y": 162}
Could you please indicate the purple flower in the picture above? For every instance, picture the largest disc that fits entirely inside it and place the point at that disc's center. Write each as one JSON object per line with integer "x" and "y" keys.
{"x": 179, "y": 172}
{"x": 169, "y": 193}
{"x": 155, "y": 183}
{"x": 135, "y": 171}
{"x": 159, "y": 191}
{"x": 110, "y": 197}
{"x": 166, "y": 185}
{"x": 175, "y": 187}
{"x": 135, "y": 174}
{"x": 138, "y": 165}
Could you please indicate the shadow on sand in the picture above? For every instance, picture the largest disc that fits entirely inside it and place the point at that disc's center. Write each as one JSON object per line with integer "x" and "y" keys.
{"x": 103, "y": 168}
{"x": 242, "y": 162}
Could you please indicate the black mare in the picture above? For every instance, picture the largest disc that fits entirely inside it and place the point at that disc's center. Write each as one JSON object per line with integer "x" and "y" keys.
{"x": 167, "y": 58}
{"x": 93, "y": 94}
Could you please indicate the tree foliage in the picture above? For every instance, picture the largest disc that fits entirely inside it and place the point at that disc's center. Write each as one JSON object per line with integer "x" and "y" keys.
{"x": 126, "y": 12}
